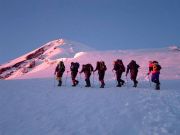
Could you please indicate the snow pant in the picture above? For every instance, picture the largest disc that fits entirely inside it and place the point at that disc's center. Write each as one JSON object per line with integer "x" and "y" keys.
{"x": 87, "y": 79}
{"x": 73, "y": 76}
{"x": 101, "y": 78}
{"x": 118, "y": 78}
{"x": 133, "y": 77}
{"x": 155, "y": 79}
{"x": 59, "y": 78}
{"x": 60, "y": 83}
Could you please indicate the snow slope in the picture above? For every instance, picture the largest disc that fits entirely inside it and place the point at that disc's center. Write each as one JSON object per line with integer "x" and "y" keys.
{"x": 36, "y": 107}
{"x": 169, "y": 60}
{"x": 41, "y": 58}
{"x": 41, "y": 62}
{"x": 32, "y": 106}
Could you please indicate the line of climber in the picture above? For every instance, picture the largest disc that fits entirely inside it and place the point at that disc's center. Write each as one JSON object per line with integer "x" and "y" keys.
{"x": 118, "y": 67}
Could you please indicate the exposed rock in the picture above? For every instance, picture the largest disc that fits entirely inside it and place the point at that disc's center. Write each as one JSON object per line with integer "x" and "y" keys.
{"x": 35, "y": 54}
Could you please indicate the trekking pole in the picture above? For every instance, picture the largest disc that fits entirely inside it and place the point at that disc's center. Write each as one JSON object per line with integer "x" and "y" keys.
{"x": 93, "y": 79}
{"x": 80, "y": 80}
{"x": 66, "y": 77}
{"x": 127, "y": 81}
{"x": 149, "y": 81}
{"x": 98, "y": 79}
{"x": 114, "y": 77}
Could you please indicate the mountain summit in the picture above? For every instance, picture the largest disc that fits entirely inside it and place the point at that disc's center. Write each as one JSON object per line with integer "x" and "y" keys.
{"x": 46, "y": 54}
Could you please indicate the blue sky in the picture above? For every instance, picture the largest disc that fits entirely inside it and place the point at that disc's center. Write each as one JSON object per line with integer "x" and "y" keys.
{"x": 102, "y": 24}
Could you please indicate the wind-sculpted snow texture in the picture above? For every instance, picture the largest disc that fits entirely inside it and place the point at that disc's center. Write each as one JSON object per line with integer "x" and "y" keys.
{"x": 36, "y": 107}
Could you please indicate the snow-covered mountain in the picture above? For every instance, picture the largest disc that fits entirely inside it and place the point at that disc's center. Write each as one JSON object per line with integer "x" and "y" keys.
{"x": 37, "y": 107}
{"x": 42, "y": 58}
{"x": 174, "y": 48}
{"x": 41, "y": 62}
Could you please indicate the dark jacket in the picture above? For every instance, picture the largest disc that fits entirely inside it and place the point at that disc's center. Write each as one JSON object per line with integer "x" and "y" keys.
{"x": 133, "y": 67}
{"x": 60, "y": 68}
{"x": 119, "y": 67}
{"x": 74, "y": 67}
{"x": 87, "y": 69}
{"x": 100, "y": 67}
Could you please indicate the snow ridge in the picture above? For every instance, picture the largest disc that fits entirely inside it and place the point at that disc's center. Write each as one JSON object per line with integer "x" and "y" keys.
{"x": 47, "y": 54}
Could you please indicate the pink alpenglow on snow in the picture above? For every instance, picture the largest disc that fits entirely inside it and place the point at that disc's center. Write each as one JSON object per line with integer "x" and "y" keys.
{"x": 41, "y": 62}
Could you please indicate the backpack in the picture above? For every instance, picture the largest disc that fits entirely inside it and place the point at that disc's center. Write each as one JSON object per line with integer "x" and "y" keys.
{"x": 102, "y": 66}
{"x": 61, "y": 67}
{"x": 89, "y": 68}
{"x": 121, "y": 65}
{"x": 122, "y": 68}
{"x": 116, "y": 65}
{"x": 156, "y": 67}
{"x": 75, "y": 66}
{"x": 133, "y": 66}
